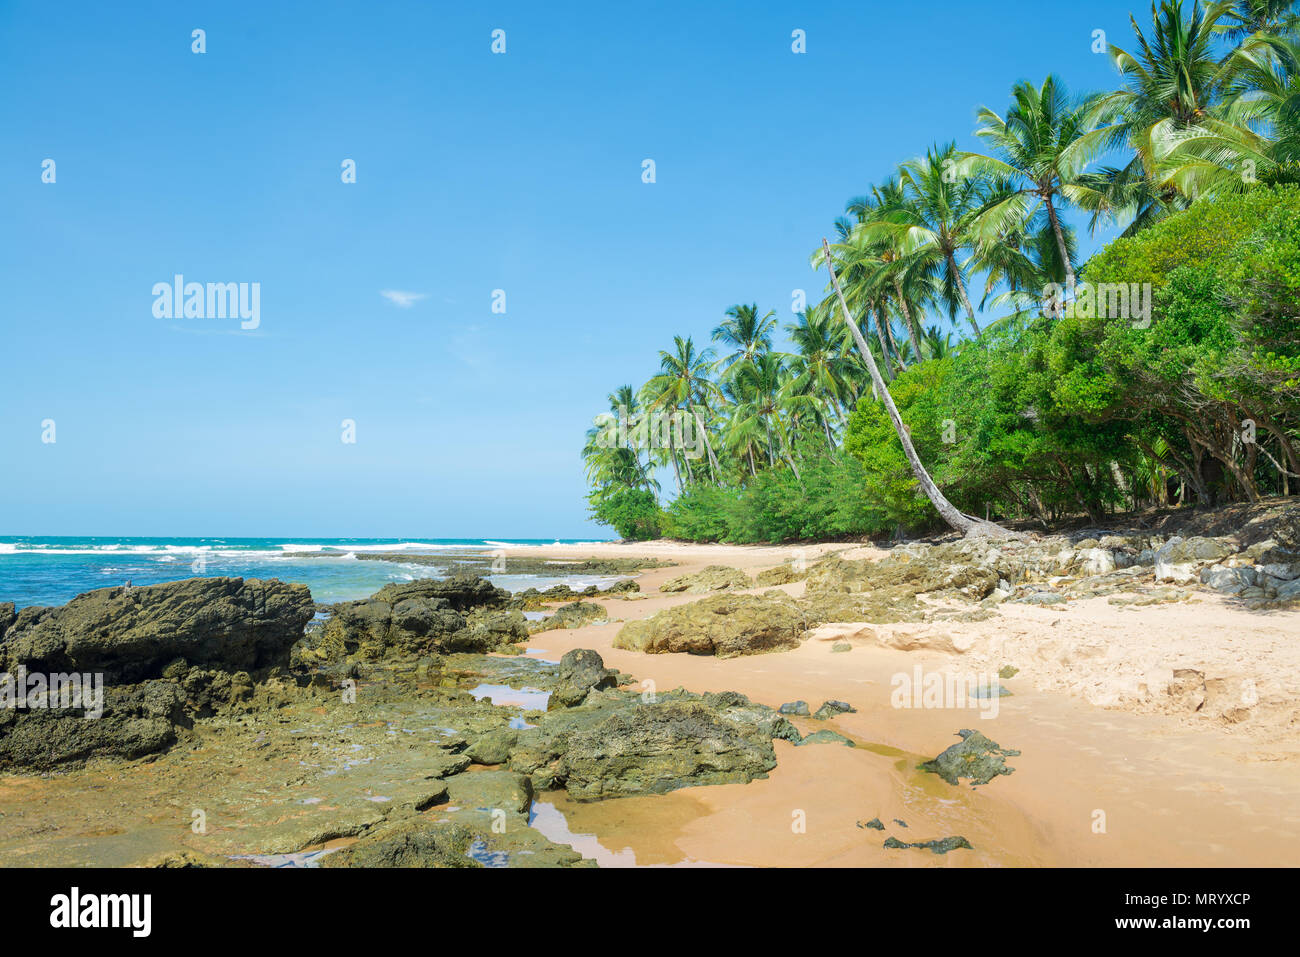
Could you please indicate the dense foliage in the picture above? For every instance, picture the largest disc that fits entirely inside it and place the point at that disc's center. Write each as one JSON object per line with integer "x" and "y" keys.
{"x": 633, "y": 512}
{"x": 1166, "y": 369}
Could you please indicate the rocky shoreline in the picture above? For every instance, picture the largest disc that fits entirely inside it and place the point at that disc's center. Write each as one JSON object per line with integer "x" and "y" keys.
{"x": 379, "y": 712}
{"x": 409, "y": 729}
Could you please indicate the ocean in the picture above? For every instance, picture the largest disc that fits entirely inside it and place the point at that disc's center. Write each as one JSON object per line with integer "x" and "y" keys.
{"x": 50, "y": 570}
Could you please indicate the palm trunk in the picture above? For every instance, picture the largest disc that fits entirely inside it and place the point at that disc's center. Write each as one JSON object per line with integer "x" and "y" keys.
{"x": 794, "y": 468}
{"x": 708, "y": 446}
{"x": 913, "y": 332}
{"x": 884, "y": 349}
{"x": 946, "y": 509}
{"x": 961, "y": 288}
{"x": 889, "y": 337}
{"x": 1060, "y": 242}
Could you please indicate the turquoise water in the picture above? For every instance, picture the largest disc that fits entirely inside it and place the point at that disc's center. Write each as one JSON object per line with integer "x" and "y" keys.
{"x": 51, "y": 570}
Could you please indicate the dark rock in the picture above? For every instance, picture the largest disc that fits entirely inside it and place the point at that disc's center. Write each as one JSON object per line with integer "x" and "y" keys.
{"x": 722, "y": 625}
{"x": 415, "y": 619}
{"x": 907, "y": 573}
{"x": 796, "y": 708}
{"x": 618, "y": 744}
{"x": 830, "y": 709}
{"x": 827, "y": 736}
{"x": 712, "y": 578}
{"x": 875, "y": 824}
{"x": 461, "y": 593}
{"x": 131, "y": 635}
{"x": 492, "y": 791}
{"x": 159, "y": 654}
{"x": 1287, "y": 530}
{"x": 573, "y": 615}
{"x": 489, "y": 629}
{"x": 781, "y": 575}
{"x": 942, "y": 846}
{"x": 580, "y": 672}
{"x": 976, "y": 758}
{"x": 492, "y": 747}
{"x": 416, "y": 843}
{"x": 137, "y": 720}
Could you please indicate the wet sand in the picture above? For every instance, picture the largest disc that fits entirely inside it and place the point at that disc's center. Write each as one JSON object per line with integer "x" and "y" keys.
{"x": 1119, "y": 785}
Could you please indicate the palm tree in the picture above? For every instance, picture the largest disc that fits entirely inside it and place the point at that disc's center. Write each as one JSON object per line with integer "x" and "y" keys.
{"x": 761, "y": 382}
{"x": 684, "y": 385}
{"x": 1248, "y": 18}
{"x": 861, "y": 261}
{"x": 747, "y": 333}
{"x": 950, "y": 514}
{"x": 910, "y": 287}
{"x": 875, "y": 277}
{"x": 906, "y": 355}
{"x": 1171, "y": 85}
{"x": 612, "y": 452}
{"x": 1021, "y": 258}
{"x": 743, "y": 432}
{"x": 937, "y": 345}
{"x": 1044, "y": 144}
{"x": 1256, "y": 128}
{"x": 1174, "y": 79}
{"x": 818, "y": 369}
{"x": 932, "y": 223}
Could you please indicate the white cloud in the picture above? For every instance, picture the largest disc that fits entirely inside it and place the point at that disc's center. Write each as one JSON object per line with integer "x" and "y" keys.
{"x": 401, "y": 299}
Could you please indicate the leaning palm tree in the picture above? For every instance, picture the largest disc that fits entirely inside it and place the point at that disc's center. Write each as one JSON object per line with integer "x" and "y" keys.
{"x": 890, "y": 279}
{"x": 1044, "y": 146}
{"x": 866, "y": 274}
{"x": 965, "y": 524}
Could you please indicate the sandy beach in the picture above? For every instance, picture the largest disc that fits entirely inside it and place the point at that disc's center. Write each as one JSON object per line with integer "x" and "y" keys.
{"x": 1138, "y": 734}
{"x": 1117, "y": 765}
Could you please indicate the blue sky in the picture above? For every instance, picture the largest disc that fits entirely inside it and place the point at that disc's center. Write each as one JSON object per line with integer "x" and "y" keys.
{"x": 475, "y": 172}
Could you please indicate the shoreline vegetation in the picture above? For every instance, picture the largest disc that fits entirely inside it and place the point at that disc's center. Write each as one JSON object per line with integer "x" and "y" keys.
{"x": 1164, "y": 370}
